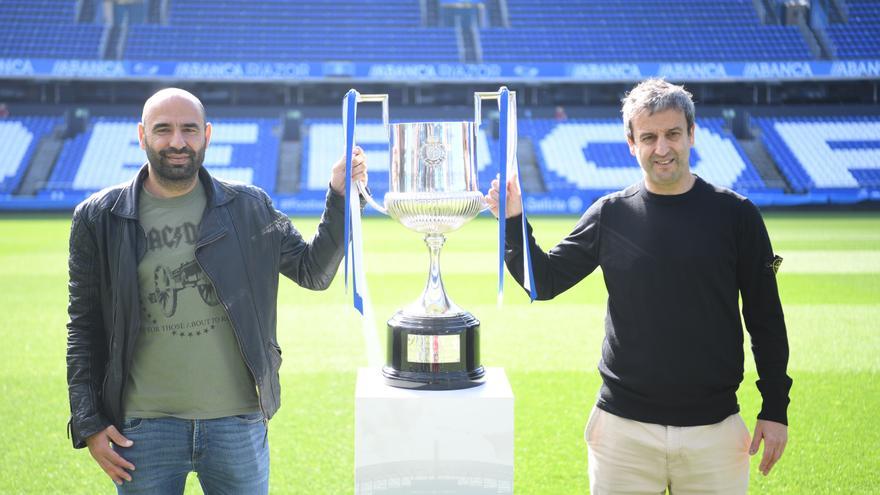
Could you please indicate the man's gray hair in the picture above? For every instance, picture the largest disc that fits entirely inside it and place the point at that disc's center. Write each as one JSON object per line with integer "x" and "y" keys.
{"x": 655, "y": 95}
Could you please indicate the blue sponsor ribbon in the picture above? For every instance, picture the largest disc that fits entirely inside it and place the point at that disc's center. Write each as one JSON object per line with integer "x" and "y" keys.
{"x": 508, "y": 143}
{"x": 352, "y": 234}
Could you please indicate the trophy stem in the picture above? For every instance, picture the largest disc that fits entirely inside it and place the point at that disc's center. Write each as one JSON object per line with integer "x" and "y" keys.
{"x": 434, "y": 300}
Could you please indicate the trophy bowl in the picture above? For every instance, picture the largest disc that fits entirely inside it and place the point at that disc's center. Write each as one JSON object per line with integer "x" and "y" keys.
{"x": 432, "y": 343}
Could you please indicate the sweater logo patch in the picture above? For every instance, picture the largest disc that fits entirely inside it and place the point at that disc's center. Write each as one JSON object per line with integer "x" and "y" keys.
{"x": 774, "y": 264}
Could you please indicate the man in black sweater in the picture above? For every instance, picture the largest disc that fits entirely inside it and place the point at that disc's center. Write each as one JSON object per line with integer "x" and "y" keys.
{"x": 676, "y": 254}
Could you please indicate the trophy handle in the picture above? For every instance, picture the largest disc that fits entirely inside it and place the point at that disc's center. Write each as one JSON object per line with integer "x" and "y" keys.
{"x": 478, "y": 99}
{"x": 486, "y": 95}
{"x": 362, "y": 189}
{"x": 383, "y": 99}
{"x": 493, "y": 95}
{"x": 377, "y": 98}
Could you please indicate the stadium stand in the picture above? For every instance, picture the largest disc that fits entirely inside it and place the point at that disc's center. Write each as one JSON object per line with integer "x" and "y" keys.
{"x": 815, "y": 155}
{"x": 675, "y": 30}
{"x": 282, "y": 31}
{"x": 46, "y": 28}
{"x": 18, "y": 141}
{"x": 857, "y": 38}
{"x": 806, "y": 155}
{"x": 394, "y": 31}
{"x": 244, "y": 150}
{"x": 825, "y": 153}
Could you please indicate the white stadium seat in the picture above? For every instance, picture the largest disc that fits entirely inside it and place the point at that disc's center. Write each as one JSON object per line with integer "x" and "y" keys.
{"x": 809, "y": 142}
{"x": 14, "y": 142}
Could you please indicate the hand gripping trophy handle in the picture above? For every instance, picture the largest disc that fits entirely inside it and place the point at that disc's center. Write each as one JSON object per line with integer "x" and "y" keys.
{"x": 362, "y": 188}
{"x": 508, "y": 137}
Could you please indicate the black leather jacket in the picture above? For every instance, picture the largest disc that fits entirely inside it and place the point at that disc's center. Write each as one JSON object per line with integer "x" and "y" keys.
{"x": 243, "y": 244}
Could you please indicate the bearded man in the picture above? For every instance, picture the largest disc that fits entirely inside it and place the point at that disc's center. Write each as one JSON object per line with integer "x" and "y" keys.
{"x": 172, "y": 355}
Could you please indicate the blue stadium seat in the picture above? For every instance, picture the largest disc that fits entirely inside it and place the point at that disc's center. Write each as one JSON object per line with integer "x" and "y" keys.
{"x": 46, "y": 28}
{"x": 282, "y": 31}
{"x": 857, "y": 38}
{"x": 608, "y": 31}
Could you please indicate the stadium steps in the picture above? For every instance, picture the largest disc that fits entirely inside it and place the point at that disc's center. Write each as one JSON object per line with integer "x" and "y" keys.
{"x": 430, "y": 13}
{"x": 766, "y": 10}
{"x": 85, "y": 12}
{"x": 157, "y": 11}
{"x": 529, "y": 173}
{"x": 816, "y": 42}
{"x": 838, "y": 11}
{"x": 41, "y": 164}
{"x": 470, "y": 51}
{"x": 289, "y": 167}
{"x": 115, "y": 40}
{"x": 496, "y": 13}
{"x": 761, "y": 159}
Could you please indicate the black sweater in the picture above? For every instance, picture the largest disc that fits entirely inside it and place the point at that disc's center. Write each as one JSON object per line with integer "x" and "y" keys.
{"x": 674, "y": 267}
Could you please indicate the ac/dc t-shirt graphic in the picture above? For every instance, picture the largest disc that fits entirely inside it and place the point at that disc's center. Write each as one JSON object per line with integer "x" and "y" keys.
{"x": 168, "y": 282}
{"x": 187, "y": 361}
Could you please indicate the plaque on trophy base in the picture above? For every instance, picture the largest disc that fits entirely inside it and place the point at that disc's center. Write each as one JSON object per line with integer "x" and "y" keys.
{"x": 430, "y": 353}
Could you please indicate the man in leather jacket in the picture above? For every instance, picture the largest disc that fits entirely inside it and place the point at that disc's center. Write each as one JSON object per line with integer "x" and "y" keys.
{"x": 172, "y": 354}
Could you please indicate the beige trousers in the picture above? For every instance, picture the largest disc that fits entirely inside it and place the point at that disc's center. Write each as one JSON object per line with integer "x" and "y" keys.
{"x": 630, "y": 457}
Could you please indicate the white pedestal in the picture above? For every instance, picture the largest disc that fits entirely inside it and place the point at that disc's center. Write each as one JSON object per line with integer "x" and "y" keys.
{"x": 420, "y": 442}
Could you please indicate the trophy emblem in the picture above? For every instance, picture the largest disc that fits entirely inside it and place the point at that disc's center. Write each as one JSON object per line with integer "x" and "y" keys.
{"x": 433, "y": 153}
{"x": 432, "y": 343}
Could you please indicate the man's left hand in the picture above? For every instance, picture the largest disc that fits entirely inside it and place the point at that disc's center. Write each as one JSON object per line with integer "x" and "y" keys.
{"x": 358, "y": 171}
{"x": 775, "y": 436}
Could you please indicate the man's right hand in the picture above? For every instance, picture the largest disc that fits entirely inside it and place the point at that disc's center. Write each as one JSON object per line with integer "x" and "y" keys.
{"x": 110, "y": 461}
{"x": 514, "y": 197}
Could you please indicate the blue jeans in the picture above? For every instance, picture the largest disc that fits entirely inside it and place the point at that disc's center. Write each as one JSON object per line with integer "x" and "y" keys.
{"x": 230, "y": 455}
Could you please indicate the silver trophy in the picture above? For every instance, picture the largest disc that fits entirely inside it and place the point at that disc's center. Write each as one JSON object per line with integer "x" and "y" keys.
{"x": 432, "y": 344}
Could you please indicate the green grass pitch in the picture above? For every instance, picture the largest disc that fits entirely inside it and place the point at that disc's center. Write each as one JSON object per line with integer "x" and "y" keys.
{"x": 830, "y": 288}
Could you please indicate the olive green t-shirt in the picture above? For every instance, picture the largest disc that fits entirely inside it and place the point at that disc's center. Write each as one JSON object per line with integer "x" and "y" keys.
{"x": 187, "y": 361}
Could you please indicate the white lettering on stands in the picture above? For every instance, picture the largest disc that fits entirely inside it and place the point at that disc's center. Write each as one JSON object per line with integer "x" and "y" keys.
{"x": 546, "y": 204}
{"x": 859, "y": 68}
{"x": 16, "y": 67}
{"x": 778, "y": 70}
{"x": 301, "y": 205}
{"x": 194, "y": 70}
{"x": 469, "y": 71}
{"x": 113, "y": 154}
{"x": 431, "y": 71}
{"x": 88, "y": 68}
{"x": 16, "y": 140}
{"x": 276, "y": 70}
{"x": 626, "y": 72}
{"x": 563, "y": 147}
{"x": 828, "y": 167}
{"x": 693, "y": 71}
{"x": 409, "y": 71}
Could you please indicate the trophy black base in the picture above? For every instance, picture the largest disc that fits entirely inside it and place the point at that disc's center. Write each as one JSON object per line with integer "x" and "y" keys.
{"x": 433, "y": 352}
